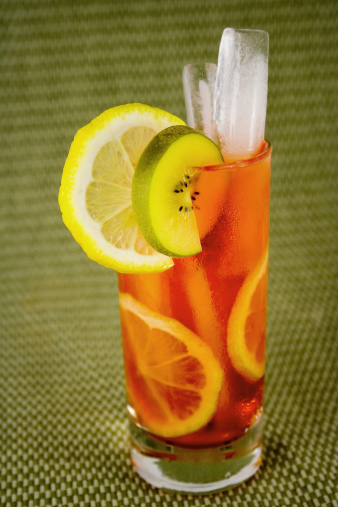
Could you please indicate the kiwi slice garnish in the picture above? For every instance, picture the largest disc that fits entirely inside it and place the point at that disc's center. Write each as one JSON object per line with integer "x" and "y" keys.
{"x": 163, "y": 192}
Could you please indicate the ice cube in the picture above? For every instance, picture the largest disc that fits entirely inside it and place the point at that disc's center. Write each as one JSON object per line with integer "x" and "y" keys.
{"x": 199, "y": 85}
{"x": 241, "y": 92}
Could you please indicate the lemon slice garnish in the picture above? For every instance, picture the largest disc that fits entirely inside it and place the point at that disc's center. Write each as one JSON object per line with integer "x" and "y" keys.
{"x": 173, "y": 379}
{"x": 95, "y": 192}
{"x": 247, "y": 324}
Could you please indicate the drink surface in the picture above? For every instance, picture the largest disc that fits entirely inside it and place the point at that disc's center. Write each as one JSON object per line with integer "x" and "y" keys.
{"x": 216, "y": 294}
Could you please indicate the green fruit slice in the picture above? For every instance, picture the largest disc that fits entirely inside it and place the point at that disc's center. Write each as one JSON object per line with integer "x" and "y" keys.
{"x": 163, "y": 182}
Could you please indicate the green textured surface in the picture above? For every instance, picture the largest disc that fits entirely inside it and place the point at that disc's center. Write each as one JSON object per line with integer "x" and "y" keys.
{"x": 63, "y": 428}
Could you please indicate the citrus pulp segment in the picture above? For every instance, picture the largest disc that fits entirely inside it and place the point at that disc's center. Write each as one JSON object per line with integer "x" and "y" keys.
{"x": 95, "y": 192}
{"x": 163, "y": 186}
{"x": 173, "y": 379}
{"x": 247, "y": 324}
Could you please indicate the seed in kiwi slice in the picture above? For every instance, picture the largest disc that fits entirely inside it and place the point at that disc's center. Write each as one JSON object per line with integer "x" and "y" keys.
{"x": 162, "y": 190}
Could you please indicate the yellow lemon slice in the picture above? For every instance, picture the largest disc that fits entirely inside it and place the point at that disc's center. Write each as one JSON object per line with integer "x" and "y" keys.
{"x": 95, "y": 193}
{"x": 173, "y": 378}
{"x": 247, "y": 324}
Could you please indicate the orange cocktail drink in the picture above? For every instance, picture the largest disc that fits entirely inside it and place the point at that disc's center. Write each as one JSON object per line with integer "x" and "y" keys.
{"x": 182, "y": 214}
{"x": 205, "y": 314}
{"x": 152, "y": 198}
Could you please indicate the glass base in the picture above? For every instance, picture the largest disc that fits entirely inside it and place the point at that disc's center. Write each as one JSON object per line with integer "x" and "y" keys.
{"x": 196, "y": 470}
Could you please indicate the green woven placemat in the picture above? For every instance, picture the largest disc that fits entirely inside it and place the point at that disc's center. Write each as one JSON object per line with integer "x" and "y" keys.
{"x": 63, "y": 425}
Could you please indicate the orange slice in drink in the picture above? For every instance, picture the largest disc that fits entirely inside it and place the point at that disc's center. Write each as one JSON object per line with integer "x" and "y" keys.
{"x": 173, "y": 379}
{"x": 247, "y": 324}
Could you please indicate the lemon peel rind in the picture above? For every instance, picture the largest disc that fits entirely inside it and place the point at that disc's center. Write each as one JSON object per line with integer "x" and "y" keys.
{"x": 214, "y": 372}
{"x": 77, "y": 174}
{"x": 242, "y": 359}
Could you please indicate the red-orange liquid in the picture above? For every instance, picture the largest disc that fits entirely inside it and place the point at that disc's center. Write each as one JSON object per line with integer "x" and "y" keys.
{"x": 200, "y": 291}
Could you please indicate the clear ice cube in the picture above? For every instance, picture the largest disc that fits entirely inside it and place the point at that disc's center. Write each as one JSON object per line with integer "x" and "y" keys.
{"x": 199, "y": 85}
{"x": 241, "y": 92}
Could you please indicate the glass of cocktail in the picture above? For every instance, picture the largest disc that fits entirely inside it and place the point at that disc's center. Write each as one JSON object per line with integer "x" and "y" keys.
{"x": 194, "y": 340}
{"x": 184, "y": 219}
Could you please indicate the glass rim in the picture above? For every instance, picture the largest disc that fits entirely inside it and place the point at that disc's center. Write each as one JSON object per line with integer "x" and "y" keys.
{"x": 237, "y": 164}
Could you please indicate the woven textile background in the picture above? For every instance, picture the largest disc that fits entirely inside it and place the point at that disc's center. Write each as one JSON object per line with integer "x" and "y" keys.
{"x": 63, "y": 425}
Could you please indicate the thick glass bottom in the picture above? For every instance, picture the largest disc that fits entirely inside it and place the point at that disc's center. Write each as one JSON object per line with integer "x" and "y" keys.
{"x": 196, "y": 470}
